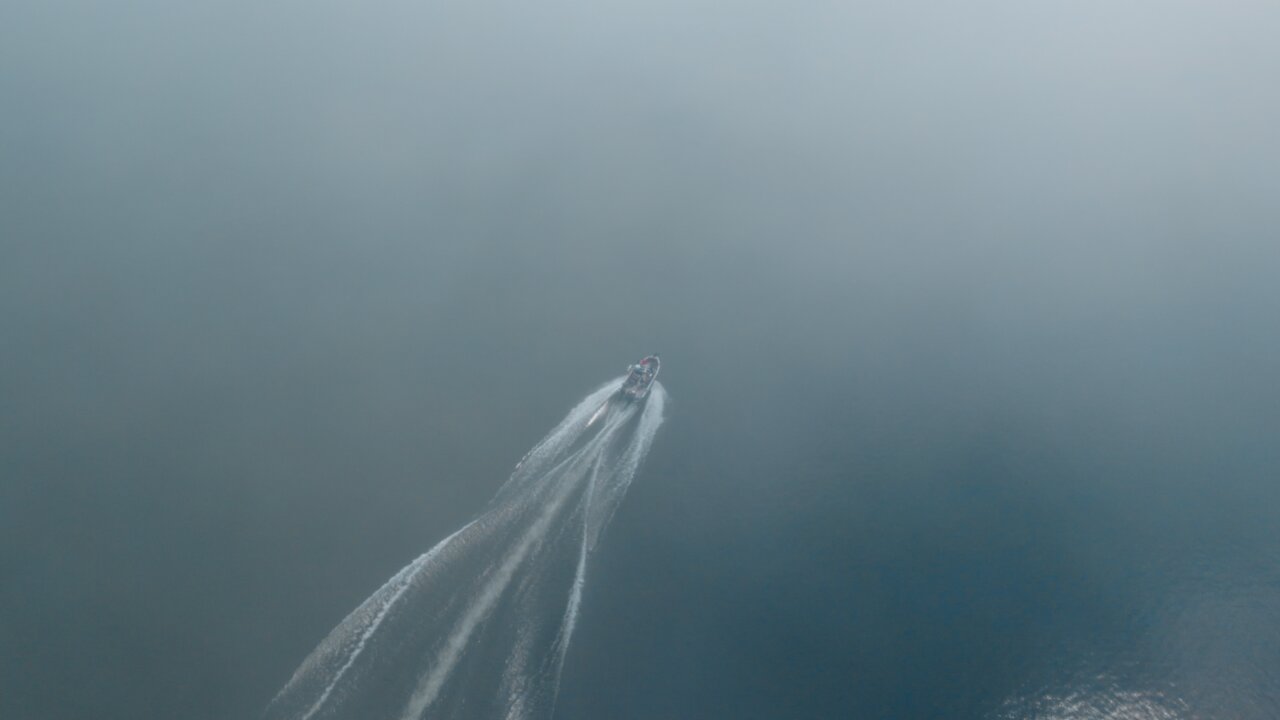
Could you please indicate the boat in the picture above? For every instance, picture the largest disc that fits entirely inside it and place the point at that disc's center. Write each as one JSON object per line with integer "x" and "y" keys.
{"x": 640, "y": 378}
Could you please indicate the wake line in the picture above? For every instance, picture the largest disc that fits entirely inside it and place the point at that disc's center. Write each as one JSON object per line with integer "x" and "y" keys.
{"x": 398, "y": 584}
{"x": 457, "y": 641}
{"x": 479, "y": 626}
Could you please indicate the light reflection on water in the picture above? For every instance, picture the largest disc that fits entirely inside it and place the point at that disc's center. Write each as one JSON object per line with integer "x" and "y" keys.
{"x": 1204, "y": 645}
{"x": 1112, "y": 704}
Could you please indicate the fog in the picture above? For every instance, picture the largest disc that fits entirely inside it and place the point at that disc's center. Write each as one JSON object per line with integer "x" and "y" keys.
{"x": 967, "y": 314}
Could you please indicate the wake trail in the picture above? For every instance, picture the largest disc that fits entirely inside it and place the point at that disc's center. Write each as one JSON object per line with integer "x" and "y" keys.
{"x": 480, "y": 624}
{"x": 478, "y": 609}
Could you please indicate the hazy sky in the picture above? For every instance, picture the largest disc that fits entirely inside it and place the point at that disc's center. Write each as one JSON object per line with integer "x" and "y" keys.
{"x": 967, "y": 312}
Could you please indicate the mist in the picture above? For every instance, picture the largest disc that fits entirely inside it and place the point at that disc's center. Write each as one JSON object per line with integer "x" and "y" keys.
{"x": 967, "y": 316}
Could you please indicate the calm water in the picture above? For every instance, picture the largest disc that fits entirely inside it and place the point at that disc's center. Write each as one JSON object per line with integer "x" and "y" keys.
{"x": 967, "y": 319}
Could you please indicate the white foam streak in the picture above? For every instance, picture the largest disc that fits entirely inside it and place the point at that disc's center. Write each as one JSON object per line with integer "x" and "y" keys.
{"x": 380, "y": 603}
{"x": 498, "y": 581}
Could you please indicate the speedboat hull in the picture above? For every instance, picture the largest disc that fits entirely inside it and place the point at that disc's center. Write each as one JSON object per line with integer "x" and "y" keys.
{"x": 640, "y": 378}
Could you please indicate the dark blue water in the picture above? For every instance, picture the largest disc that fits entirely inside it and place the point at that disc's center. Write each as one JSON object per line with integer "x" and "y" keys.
{"x": 967, "y": 318}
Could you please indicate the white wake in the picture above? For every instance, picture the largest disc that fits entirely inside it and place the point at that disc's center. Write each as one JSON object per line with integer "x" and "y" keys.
{"x": 478, "y": 626}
